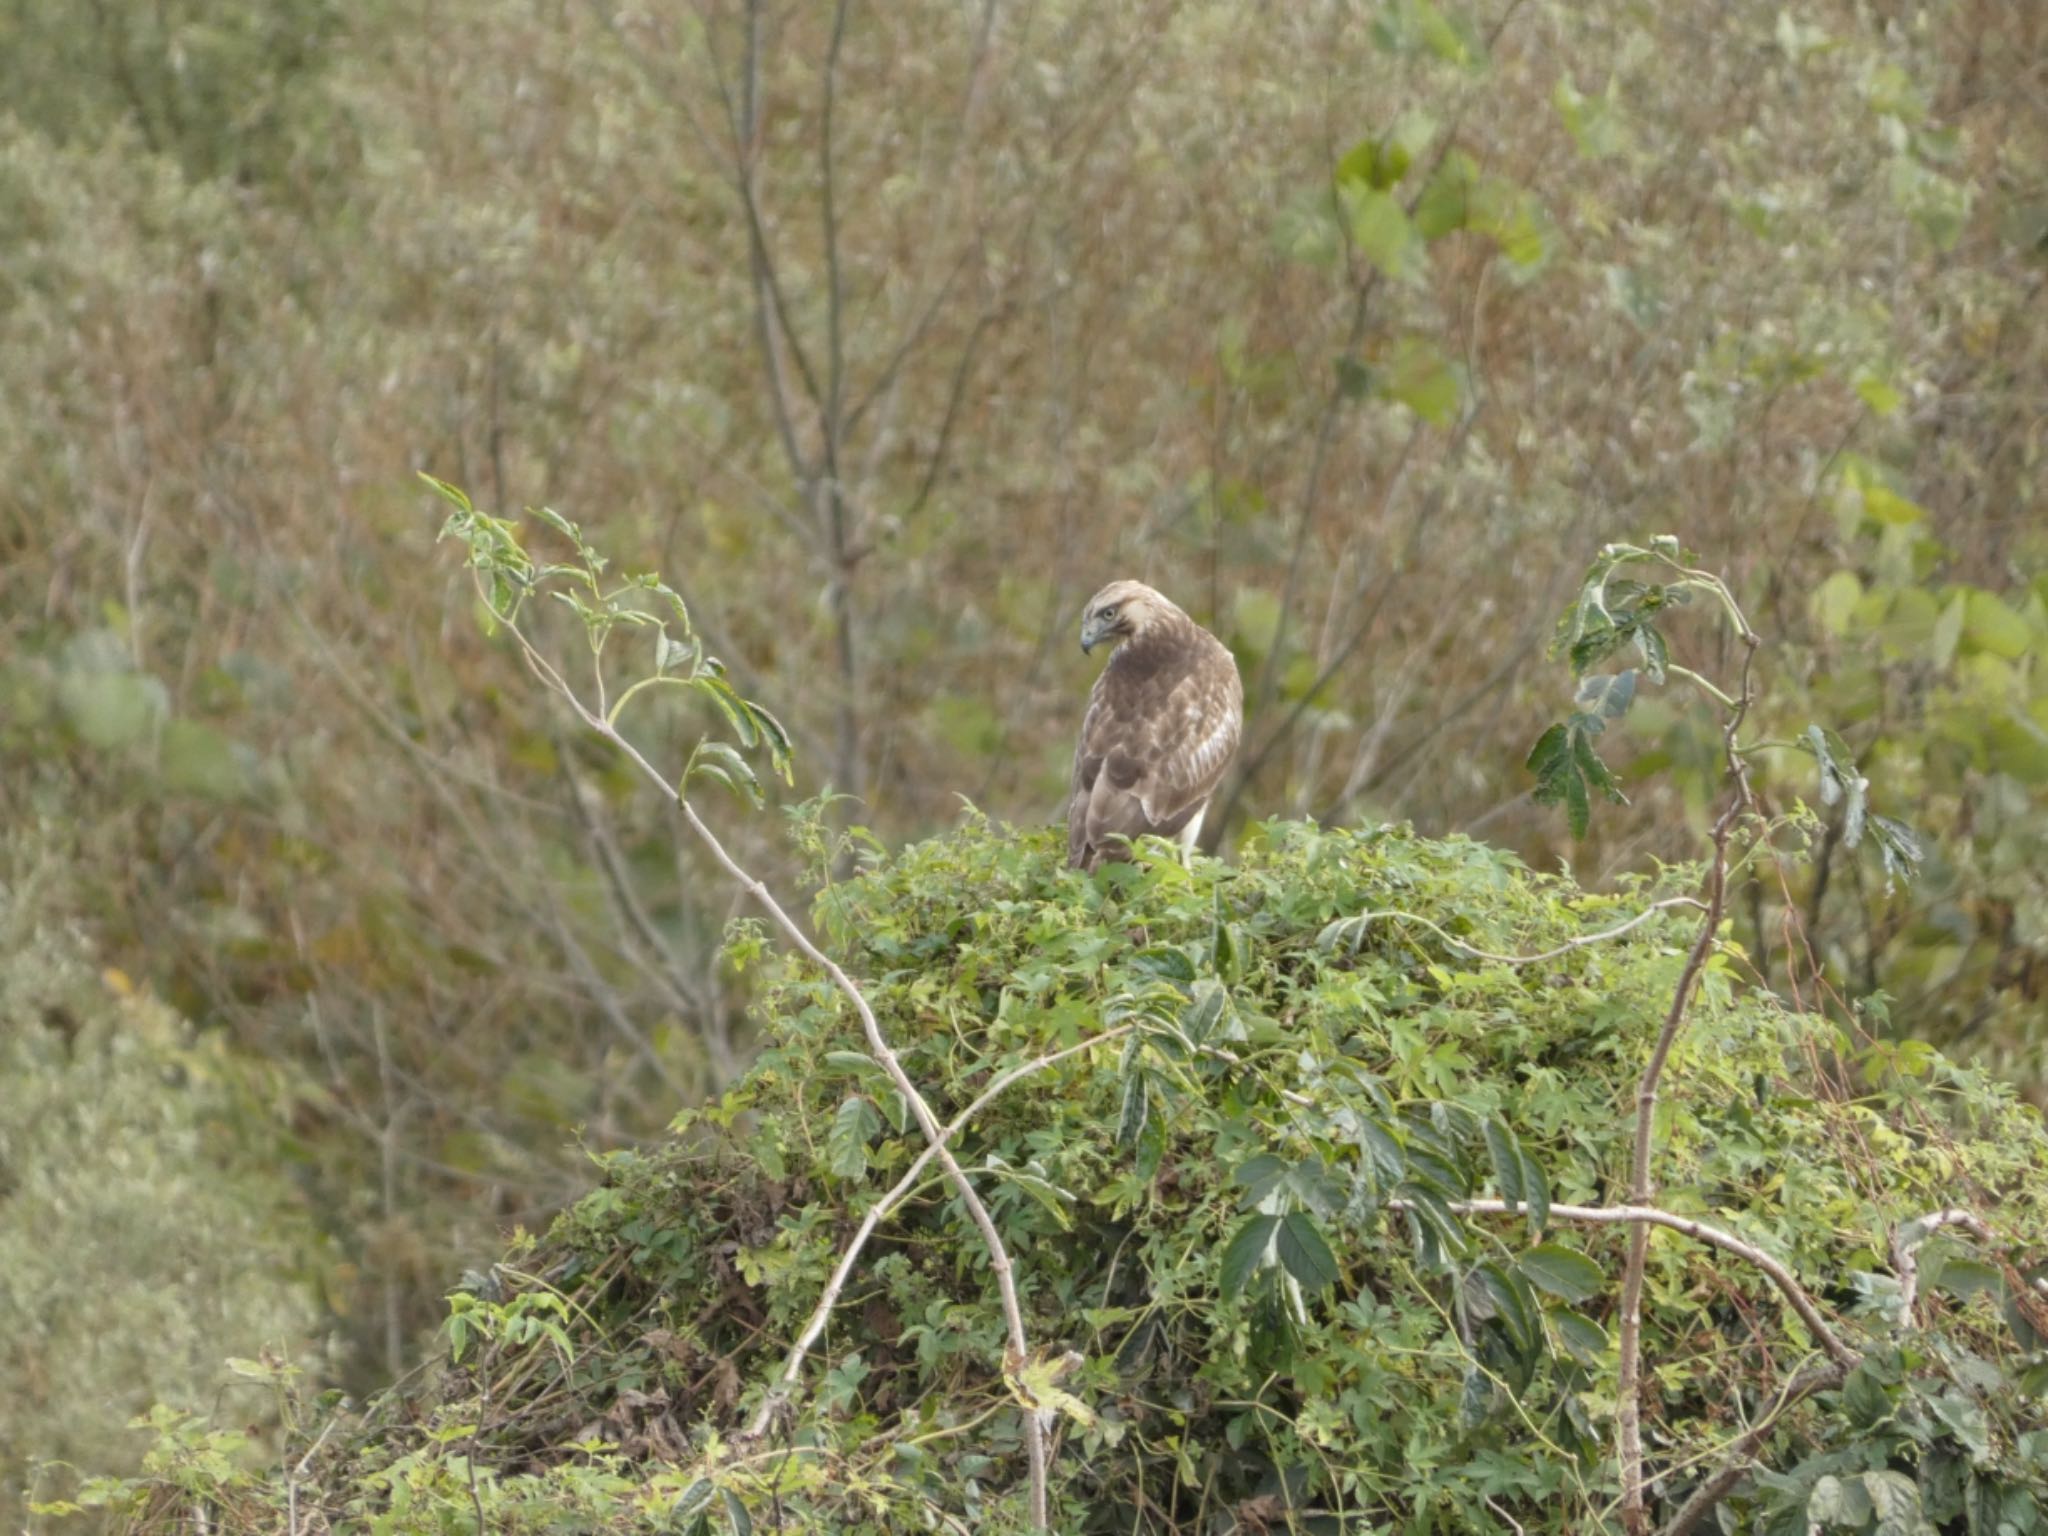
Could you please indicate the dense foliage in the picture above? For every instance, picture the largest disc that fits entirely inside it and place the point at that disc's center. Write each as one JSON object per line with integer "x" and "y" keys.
{"x": 1353, "y": 326}
{"x": 1237, "y": 1213}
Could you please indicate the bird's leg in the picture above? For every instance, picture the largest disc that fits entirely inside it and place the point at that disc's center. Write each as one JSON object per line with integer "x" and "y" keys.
{"x": 1188, "y": 834}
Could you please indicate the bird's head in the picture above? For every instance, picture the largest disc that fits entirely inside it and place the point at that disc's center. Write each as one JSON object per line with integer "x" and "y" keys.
{"x": 1121, "y": 611}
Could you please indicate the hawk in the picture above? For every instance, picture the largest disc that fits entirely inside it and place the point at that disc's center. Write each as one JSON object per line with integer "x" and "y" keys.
{"x": 1161, "y": 726}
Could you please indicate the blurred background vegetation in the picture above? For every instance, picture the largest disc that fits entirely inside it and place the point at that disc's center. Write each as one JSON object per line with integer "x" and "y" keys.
{"x": 889, "y": 332}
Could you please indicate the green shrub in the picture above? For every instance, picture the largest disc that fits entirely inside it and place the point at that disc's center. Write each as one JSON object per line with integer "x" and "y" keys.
{"x": 146, "y": 1232}
{"x": 1236, "y": 1232}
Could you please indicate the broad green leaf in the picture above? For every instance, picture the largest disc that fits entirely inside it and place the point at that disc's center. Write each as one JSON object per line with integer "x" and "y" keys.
{"x": 1249, "y": 1251}
{"x": 1583, "y": 1339}
{"x": 1506, "y": 1153}
{"x": 112, "y": 710}
{"x": 199, "y": 760}
{"x": 1260, "y": 1177}
{"x": 736, "y": 1514}
{"x": 1303, "y": 1253}
{"x": 1381, "y": 231}
{"x": 1561, "y": 1272}
{"x": 1834, "y": 601}
{"x": 1135, "y": 1110}
{"x": 1536, "y": 1192}
{"x": 1415, "y": 373}
{"x": 720, "y": 761}
{"x": 846, "y": 1146}
{"x": 730, "y": 705}
{"x": 1989, "y": 625}
{"x": 1607, "y": 696}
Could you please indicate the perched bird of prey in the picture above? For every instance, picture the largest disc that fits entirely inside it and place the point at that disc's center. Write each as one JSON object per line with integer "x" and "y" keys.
{"x": 1161, "y": 726}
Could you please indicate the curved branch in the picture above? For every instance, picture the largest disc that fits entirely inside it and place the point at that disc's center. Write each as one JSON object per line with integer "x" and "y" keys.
{"x": 1642, "y": 1216}
{"x": 999, "y": 1258}
{"x": 881, "y": 1209}
{"x": 1549, "y": 954}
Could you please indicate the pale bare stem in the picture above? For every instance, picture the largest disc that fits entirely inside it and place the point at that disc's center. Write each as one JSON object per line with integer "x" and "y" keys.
{"x": 1642, "y": 1183}
{"x": 1642, "y": 1217}
{"x": 1565, "y": 948}
{"x": 1018, "y": 1351}
{"x": 880, "y": 1210}
{"x": 1710, "y": 1493}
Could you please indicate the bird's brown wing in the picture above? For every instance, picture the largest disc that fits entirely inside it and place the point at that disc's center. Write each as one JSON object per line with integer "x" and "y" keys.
{"x": 1150, "y": 757}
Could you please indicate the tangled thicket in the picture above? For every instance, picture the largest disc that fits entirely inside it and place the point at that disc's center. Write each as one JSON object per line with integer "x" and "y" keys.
{"x": 1240, "y": 1235}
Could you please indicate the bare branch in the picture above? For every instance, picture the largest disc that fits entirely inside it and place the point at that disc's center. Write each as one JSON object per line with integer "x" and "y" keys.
{"x": 1018, "y": 1351}
{"x": 1565, "y": 948}
{"x": 1642, "y": 1217}
{"x": 880, "y": 1210}
{"x": 1628, "y": 1389}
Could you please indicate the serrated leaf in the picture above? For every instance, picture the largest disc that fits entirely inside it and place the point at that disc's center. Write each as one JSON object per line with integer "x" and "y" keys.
{"x": 780, "y": 756}
{"x": 1607, "y": 695}
{"x": 1383, "y": 1151}
{"x": 856, "y": 1123}
{"x": 1561, "y": 1272}
{"x": 1260, "y": 1177}
{"x": 721, "y": 762}
{"x": 694, "y": 1499}
{"x": 1132, "y": 1114}
{"x": 1250, "y": 1250}
{"x": 730, "y": 705}
{"x": 1583, "y": 1339}
{"x": 1303, "y": 1253}
{"x": 1202, "y": 1013}
{"x": 1506, "y": 1153}
{"x": 1536, "y": 1192}
{"x": 1033, "y": 1182}
{"x": 1380, "y": 229}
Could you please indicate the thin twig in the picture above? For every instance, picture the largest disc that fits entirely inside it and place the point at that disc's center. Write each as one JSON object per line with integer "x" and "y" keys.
{"x": 1642, "y": 1217}
{"x": 880, "y": 1210}
{"x": 1628, "y": 1389}
{"x": 1704, "y": 1498}
{"x": 1018, "y": 1351}
{"x": 1536, "y": 959}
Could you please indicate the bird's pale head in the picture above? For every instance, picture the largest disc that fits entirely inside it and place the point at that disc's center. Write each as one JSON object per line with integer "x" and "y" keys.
{"x": 1121, "y": 611}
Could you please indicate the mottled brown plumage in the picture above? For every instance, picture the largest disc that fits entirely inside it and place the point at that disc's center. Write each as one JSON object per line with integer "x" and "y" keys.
{"x": 1161, "y": 727}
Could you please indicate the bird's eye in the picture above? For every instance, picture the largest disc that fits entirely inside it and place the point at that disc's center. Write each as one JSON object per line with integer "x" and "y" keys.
{"x": 1109, "y": 612}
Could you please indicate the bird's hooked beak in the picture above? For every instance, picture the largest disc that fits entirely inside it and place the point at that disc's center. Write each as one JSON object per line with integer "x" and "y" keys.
{"x": 1092, "y": 631}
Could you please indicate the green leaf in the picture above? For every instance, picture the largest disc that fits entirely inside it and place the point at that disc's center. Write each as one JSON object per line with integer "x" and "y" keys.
{"x": 452, "y": 494}
{"x": 1607, "y": 696}
{"x": 1506, "y": 1153}
{"x": 729, "y": 703}
{"x": 1207, "y": 1006}
{"x": 1536, "y": 1192}
{"x": 780, "y": 756}
{"x": 1561, "y": 1272}
{"x": 1136, "y": 1108}
{"x": 1383, "y": 1152}
{"x": 1303, "y": 1253}
{"x": 1583, "y": 1339}
{"x": 1381, "y": 231}
{"x": 736, "y": 1514}
{"x": 1250, "y": 1250}
{"x": 198, "y": 760}
{"x": 1032, "y": 1180}
{"x": 1260, "y": 1177}
{"x": 112, "y": 710}
{"x": 1415, "y": 373}
{"x": 720, "y": 761}
{"x": 846, "y": 1146}
{"x": 694, "y": 1499}
{"x": 1989, "y": 625}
